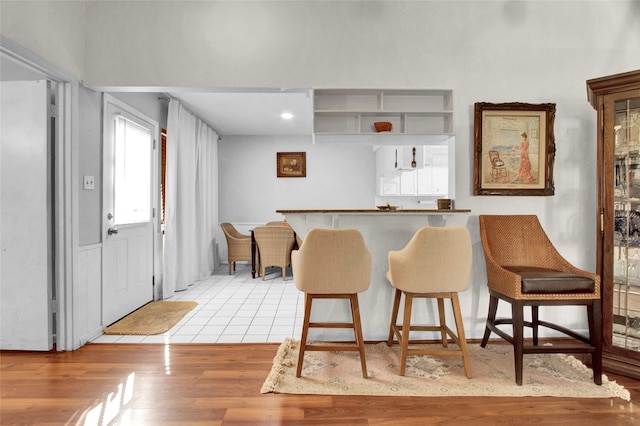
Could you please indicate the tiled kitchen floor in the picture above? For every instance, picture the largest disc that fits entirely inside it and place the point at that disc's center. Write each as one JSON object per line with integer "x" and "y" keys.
{"x": 233, "y": 309}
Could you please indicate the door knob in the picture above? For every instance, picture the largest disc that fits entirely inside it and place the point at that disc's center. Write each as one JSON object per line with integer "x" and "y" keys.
{"x": 112, "y": 231}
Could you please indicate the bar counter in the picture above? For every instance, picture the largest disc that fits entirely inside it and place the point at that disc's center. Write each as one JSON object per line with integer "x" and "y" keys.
{"x": 383, "y": 230}
{"x": 398, "y": 211}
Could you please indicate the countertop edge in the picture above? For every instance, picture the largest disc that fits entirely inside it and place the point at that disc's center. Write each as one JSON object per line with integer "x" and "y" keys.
{"x": 377, "y": 211}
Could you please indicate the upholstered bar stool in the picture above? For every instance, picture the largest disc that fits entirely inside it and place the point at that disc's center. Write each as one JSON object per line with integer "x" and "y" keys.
{"x": 525, "y": 269}
{"x": 332, "y": 264}
{"x": 436, "y": 264}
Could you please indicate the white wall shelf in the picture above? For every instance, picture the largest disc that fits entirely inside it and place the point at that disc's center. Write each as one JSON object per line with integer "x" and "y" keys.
{"x": 418, "y": 116}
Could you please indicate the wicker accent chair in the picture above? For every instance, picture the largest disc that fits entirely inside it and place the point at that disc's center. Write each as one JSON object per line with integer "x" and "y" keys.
{"x": 332, "y": 264}
{"x": 238, "y": 245}
{"x": 435, "y": 264}
{"x": 525, "y": 269}
{"x": 298, "y": 243}
{"x": 275, "y": 244}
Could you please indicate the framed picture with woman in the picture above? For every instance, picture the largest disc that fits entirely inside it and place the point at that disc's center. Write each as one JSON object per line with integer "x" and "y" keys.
{"x": 514, "y": 148}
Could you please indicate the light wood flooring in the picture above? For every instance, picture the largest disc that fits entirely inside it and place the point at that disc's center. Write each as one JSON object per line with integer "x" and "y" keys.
{"x": 219, "y": 384}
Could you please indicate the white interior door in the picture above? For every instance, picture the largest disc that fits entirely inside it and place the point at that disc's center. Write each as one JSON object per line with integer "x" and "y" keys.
{"x": 25, "y": 219}
{"x": 128, "y": 209}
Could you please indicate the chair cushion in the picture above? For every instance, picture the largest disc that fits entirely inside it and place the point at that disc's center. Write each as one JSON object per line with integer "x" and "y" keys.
{"x": 545, "y": 281}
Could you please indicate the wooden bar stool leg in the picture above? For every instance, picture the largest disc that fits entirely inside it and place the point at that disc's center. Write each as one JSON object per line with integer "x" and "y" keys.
{"x": 404, "y": 336}
{"x": 443, "y": 322}
{"x": 357, "y": 325}
{"x": 394, "y": 316}
{"x": 534, "y": 324}
{"x": 305, "y": 331}
{"x": 455, "y": 304}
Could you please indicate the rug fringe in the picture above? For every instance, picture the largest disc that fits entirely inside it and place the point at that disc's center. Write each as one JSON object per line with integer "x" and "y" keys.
{"x": 280, "y": 362}
{"x": 615, "y": 388}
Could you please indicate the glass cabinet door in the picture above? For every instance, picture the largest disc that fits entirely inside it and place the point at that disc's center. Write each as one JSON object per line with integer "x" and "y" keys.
{"x": 616, "y": 98}
{"x": 625, "y": 293}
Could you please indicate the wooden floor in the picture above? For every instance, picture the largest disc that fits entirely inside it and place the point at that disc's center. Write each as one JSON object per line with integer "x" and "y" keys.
{"x": 220, "y": 384}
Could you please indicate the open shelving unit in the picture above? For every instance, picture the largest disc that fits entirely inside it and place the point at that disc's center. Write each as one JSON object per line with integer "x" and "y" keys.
{"x": 418, "y": 116}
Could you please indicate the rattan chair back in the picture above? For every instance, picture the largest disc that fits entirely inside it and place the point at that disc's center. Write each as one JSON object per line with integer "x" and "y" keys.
{"x": 238, "y": 245}
{"x": 275, "y": 244}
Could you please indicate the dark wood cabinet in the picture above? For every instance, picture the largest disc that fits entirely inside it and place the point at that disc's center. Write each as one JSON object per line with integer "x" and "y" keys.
{"x": 616, "y": 99}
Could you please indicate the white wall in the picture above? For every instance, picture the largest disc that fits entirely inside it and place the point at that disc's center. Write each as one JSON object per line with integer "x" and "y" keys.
{"x": 54, "y": 30}
{"x": 487, "y": 45}
{"x": 90, "y": 201}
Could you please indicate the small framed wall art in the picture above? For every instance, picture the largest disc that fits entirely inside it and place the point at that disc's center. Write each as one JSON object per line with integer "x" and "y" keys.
{"x": 292, "y": 164}
{"x": 514, "y": 149}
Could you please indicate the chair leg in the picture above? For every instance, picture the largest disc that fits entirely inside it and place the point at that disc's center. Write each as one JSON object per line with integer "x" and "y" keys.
{"x": 230, "y": 268}
{"x": 455, "y": 304}
{"x": 305, "y": 331}
{"x": 517, "y": 312}
{"x": 394, "y": 316}
{"x": 404, "y": 336}
{"x": 491, "y": 317}
{"x": 357, "y": 325}
{"x": 595, "y": 335}
{"x": 534, "y": 324}
{"x": 443, "y": 322}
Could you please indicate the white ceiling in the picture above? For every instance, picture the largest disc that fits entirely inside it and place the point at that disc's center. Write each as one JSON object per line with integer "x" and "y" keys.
{"x": 229, "y": 112}
{"x": 251, "y": 111}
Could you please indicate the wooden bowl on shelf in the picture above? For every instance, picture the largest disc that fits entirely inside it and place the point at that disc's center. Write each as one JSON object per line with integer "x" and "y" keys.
{"x": 383, "y": 126}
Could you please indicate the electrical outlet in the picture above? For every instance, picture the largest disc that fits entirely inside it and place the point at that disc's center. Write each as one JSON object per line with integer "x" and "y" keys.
{"x": 89, "y": 182}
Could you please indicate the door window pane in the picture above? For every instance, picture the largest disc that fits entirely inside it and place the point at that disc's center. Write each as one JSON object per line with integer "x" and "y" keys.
{"x": 132, "y": 195}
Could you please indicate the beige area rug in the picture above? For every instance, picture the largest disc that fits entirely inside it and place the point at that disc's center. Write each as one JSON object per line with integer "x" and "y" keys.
{"x": 339, "y": 373}
{"x": 152, "y": 318}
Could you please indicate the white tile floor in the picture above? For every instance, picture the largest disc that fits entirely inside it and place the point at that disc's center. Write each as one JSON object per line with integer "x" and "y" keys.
{"x": 234, "y": 309}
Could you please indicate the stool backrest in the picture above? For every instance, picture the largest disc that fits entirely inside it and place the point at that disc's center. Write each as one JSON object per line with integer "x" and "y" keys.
{"x": 436, "y": 259}
{"x": 332, "y": 261}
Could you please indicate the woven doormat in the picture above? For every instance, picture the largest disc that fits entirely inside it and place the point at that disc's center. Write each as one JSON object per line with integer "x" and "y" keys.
{"x": 153, "y": 318}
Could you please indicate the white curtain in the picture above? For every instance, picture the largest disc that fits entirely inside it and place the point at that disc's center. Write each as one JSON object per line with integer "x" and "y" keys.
{"x": 191, "y": 204}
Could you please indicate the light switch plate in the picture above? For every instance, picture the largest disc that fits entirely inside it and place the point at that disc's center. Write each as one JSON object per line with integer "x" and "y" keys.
{"x": 89, "y": 182}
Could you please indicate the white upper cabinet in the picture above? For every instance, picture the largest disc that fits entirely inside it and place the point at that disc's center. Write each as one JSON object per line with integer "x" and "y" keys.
{"x": 419, "y": 117}
{"x": 433, "y": 177}
{"x": 398, "y": 176}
